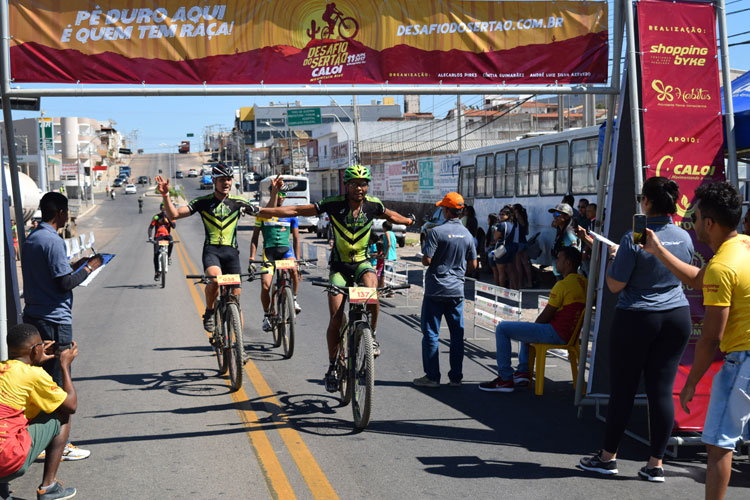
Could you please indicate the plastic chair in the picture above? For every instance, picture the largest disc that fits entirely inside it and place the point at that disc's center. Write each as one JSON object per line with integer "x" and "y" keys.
{"x": 538, "y": 356}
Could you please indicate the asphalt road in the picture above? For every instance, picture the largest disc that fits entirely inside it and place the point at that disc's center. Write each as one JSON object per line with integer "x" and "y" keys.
{"x": 161, "y": 423}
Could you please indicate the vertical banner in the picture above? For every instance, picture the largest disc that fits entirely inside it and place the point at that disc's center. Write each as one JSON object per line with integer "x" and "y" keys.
{"x": 682, "y": 133}
{"x": 427, "y": 193}
{"x": 377, "y": 187}
{"x": 394, "y": 181}
{"x": 410, "y": 179}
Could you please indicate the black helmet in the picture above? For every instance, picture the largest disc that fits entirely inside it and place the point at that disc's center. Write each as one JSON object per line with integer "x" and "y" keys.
{"x": 221, "y": 170}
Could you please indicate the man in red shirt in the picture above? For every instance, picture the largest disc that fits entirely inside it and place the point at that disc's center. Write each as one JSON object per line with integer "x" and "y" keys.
{"x": 163, "y": 226}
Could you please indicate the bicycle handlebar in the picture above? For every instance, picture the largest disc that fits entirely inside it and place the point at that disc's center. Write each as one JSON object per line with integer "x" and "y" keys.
{"x": 345, "y": 290}
{"x": 204, "y": 278}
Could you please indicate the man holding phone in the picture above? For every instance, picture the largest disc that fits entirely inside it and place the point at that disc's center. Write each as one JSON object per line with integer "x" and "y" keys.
{"x": 48, "y": 280}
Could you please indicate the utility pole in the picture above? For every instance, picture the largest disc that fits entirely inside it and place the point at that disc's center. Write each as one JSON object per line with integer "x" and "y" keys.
{"x": 356, "y": 129}
{"x": 458, "y": 121}
{"x": 291, "y": 144}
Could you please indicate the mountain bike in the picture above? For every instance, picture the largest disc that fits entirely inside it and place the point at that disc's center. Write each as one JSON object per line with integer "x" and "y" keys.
{"x": 355, "y": 366}
{"x": 281, "y": 313}
{"x": 347, "y": 26}
{"x": 163, "y": 260}
{"x": 226, "y": 338}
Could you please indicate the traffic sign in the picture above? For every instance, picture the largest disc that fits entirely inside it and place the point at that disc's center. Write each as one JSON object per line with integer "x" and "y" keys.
{"x": 303, "y": 116}
{"x": 191, "y": 135}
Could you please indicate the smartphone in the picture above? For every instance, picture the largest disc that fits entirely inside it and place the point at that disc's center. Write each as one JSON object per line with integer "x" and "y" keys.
{"x": 639, "y": 229}
{"x": 63, "y": 347}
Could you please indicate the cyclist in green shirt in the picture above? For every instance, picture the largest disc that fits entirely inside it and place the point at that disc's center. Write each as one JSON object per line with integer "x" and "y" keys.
{"x": 220, "y": 213}
{"x": 351, "y": 216}
{"x": 276, "y": 245}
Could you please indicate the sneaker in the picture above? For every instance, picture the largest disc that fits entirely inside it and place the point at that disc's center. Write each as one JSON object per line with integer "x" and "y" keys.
{"x": 55, "y": 491}
{"x": 595, "y": 464}
{"x": 209, "y": 324}
{"x": 267, "y": 324}
{"x": 169, "y": 260}
{"x": 330, "y": 380}
{"x": 653, "y": 474}
{"x": 454, "y": 383}
{"x": 157, "y": 276}
{"x": 375, "y": 346}
{"x": 73, "y": 452}
{"x": 521, "y": 379}
{"x": 497, "y": 385}
{"x": 425, "y": 382}
{"x": 297, "y": 308}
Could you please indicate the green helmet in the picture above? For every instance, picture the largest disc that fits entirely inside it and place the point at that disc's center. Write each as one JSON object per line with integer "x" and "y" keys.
{"x": 357, "y": 172}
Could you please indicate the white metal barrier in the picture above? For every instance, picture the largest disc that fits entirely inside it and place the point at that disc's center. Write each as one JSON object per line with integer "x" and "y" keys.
{"x": 399, "y": 276}
{"x": 493, "y": 304}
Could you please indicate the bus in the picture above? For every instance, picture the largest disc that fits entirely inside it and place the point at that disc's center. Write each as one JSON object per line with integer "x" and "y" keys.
{"x": 534, "y": 171}
{"x": 298, "y": 194}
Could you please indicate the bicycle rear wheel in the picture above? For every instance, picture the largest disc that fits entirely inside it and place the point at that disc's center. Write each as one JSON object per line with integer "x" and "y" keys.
{"x": 287, "y": 325}
{"x": 364, "y": 376}
{"x": 342, "y": 364}
{"x": 234, "y": 347}
{"x": 218, "y": 342}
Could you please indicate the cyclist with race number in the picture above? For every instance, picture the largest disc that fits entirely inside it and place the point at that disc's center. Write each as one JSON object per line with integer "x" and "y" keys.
{"x": 351, "y": 217}
{"x": 276, "y": 232}
{"x": 220, "y": 213}
{"x": 162, "y": 225}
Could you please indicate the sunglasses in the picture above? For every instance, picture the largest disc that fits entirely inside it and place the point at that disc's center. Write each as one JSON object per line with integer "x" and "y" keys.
{"x": 37, "y": 345}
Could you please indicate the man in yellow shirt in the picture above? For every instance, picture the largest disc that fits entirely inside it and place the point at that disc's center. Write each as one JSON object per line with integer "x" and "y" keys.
{"x": 725, "y": 282}
{"x": 34, "y": 411}
{"x": 555, "y": 325}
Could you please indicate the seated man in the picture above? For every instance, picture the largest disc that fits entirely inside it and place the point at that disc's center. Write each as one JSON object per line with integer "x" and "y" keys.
{"x": 34, "y": 411}
{"x": 555, "y": 325}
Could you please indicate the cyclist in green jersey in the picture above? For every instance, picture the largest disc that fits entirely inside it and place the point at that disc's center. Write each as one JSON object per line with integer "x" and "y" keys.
{"x": 276, "y": 245}
{"x": 220, "y": 213}
{"x": 351, "y": 216}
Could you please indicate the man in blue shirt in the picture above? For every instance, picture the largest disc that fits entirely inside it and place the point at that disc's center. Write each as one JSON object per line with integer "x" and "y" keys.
{"x": 48, "y": 281}
{"x": 448, "y": 253}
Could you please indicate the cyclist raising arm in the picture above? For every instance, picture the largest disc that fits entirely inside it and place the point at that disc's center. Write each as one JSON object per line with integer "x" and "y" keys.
{"x": 351, "y": 217}
{"x": 220, "y": 213}
{"x": 276, "y": 232}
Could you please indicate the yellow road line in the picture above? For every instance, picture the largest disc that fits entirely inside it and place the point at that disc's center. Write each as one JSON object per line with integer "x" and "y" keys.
{"x": 276, "y": 479}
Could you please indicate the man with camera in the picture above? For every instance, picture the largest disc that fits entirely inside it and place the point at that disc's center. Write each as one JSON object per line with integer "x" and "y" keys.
{"x": 48, "y": 281}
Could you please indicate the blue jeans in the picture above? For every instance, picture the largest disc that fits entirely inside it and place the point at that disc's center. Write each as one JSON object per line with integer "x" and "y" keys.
{"x": 433, "y": 308}
{"x": 526, "y": 333}
{"x": 61, "y": 334}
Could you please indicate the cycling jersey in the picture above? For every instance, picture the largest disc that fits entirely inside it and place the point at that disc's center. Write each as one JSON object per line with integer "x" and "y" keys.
{"x": 276, "y": 230}
{"x": 220, "y": 218}
{"x": 351, "y": 234}
{"x": 160, "y": 221}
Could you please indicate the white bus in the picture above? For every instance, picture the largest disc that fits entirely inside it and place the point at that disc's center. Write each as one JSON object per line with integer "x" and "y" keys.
{"x": 298, "y": 194}
{"x": 535, "y": 172}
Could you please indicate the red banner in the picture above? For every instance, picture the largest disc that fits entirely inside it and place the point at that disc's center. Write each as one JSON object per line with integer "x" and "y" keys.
{"x": 311, "y": 41}
{"x": 682, "y": 134}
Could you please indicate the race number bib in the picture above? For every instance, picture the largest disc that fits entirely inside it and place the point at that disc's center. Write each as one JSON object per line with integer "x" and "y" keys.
{"x": 163, "y": 243}
{"x": 285, "y": 264}
{"x": 363, "y": 295}
{"x": 228, "y": 279}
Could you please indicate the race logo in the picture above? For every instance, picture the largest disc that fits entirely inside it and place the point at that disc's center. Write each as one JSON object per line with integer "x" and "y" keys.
{"x": 336, "y": 25}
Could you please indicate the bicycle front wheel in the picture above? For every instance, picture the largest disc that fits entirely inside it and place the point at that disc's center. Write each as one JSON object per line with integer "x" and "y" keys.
{"x": 287, "y": 325}
{"x": 343, "y": 371}
{"x": 234, "y": 347}
{"x": 364, "y": 376}
{"x": 218, "y": 342}
{"x": 275, "y": 315}
{"x": 348, "y": 28}
{"x": 163, "y": 269}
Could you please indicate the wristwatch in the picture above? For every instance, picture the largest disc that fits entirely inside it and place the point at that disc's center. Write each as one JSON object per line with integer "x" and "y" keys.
{"x": 88, "y": 268}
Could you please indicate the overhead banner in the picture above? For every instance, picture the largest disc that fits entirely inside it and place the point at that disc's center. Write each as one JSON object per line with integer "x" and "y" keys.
{"x": 682, "y": 134}
{"x": 303, "y": 42}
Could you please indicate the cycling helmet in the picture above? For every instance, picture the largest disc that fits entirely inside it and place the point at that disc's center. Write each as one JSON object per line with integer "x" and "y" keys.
{"x": 282, "y": 192}
{"x": 221, "y": 170}
{"x": 357, "y": 172}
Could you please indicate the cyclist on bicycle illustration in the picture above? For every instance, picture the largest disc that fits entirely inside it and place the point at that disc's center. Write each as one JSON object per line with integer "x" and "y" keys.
{"x": 276, "y": 232}
{"x": 220, "y": 213}
{"x": 351, "y": 217}
{"x": 163, "y": 227}
{"x": 330, "y": 16}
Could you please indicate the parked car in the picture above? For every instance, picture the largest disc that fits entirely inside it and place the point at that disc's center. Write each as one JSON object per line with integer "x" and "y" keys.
{"x": 179, "y": 174}
{"x": 398, "y": 229}
{"x": 192, "y": 173}
{"x": 435, "y": 220}
{"x": 118, "y": 182}
{"x": 130, "y": 189}
{"x": 142, "y": 179}
{"x": 206, "y": 182}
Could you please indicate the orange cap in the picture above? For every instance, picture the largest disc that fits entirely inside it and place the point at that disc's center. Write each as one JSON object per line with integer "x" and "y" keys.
{"x": 452, "y": 200}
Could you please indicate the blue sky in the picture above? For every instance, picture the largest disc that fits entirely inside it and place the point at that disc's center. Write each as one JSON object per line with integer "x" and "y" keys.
{"x": 167, "y": 120}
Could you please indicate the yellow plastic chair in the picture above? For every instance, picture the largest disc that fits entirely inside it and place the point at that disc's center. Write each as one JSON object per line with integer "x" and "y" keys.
{"x": 538, "y": 356}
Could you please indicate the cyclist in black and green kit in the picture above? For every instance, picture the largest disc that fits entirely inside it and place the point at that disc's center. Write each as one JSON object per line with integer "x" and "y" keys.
{"x": 220, "y": 213}
{"x": 276, "y": 245}
{"x": 351, "y": 216}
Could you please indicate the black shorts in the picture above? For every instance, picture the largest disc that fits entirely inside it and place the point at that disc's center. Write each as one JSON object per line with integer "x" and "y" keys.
{"x": 346, "y": 274}
{"x": 225, "y": 256}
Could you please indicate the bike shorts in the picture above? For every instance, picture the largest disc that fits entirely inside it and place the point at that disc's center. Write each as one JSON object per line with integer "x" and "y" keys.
{"x": 272, "y": 254}
{"x": 346, "y": 274}
{"x": 226, "y": 257}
